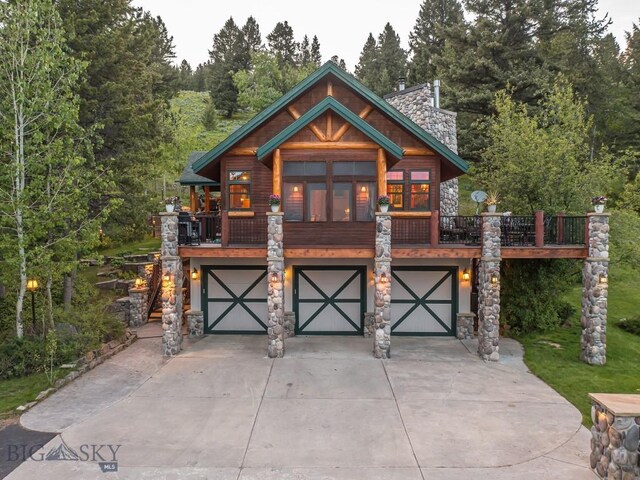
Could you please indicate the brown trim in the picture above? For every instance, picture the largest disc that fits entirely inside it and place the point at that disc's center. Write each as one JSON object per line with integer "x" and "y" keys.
{"x": 410, "y": 152}
{"x": 382, "y": 172}
{"x": 363, "y": 115}
{"x": 277, "y": 172}
{"x": 328, "y": 252}
{"x": 243, "y": 151}
{"x": 439, "y": 252}
{"x": 193, "y": 199}
{"x": 544, "y": 252}
{"x": 329, "y": 146}
{"x": 220, "y": 252}
{"x": 240, "y": 214}
{"x": 415, "y": 214}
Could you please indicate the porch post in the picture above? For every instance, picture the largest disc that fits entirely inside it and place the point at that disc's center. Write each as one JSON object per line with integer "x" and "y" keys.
{"x": 382, "y": 275}
{"x": 595, "y": 277}
{"x": 489, "y": 289}
{"x": 193, "y": 199}
{"x": 172, "y": 278}
{"x": 275, "y": 279}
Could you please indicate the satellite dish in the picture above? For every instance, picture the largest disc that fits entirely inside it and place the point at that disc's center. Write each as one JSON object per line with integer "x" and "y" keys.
{"x": 479, "y": 196}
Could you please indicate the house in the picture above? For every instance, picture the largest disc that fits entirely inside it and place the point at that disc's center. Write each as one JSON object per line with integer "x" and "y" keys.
{"x": 329, "y": 262}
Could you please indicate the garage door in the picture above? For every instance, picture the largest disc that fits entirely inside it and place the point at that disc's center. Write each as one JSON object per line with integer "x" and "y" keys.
{"x": 329, "y": 300}
{"x": 234, "y": 299}
{"x": 424, "y": 300}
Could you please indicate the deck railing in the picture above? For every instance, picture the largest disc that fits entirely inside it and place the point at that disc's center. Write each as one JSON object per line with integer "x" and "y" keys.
{"x": 516, "y": 230}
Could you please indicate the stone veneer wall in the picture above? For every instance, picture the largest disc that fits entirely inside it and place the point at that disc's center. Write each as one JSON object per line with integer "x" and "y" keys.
{"x": 416, "y": 103}
{"x": 275, "y": 277}
{"x": 382, "y": 299}
{"x": 615, "y": 448}
{"x": 195, "y": 322}
{"x": 488, "y": 292}
{"x": 138, "y": 306}
{"x": 595, "y": 292}
{"x": 172, "y": 279}
{"x": 464, "y": 325}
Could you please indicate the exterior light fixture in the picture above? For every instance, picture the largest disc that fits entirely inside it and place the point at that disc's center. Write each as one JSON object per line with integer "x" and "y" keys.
{"x": 274, "y": 277}
{"x": 195, "y": 274}
{"x": 383, "y": 278}
{"x": 494, "y": 279}
{"x": 296, "y": 189}
{"x": 140, "y": 283}
{"x": 466, "y": 276}
{"x": 32, "y": 286}
{"x": 603, "y": 279}
{"x": 166, "y": 277}
{"x": 363, "y": 189}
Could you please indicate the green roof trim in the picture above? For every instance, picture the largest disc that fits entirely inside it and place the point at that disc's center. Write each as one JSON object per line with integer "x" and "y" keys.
{"x": 330, "y": 103}
{"x": 188, "y": 176}
{"x": 331, "y": 68}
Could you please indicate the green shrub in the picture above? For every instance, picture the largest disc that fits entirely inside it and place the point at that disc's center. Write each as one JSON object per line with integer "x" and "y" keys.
{"x": 631, "y": 325}
{"x": 531, "y": 292}
{"x": 19, "y": 357}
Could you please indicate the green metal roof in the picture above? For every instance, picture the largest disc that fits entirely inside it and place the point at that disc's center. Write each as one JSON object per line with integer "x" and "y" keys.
{"x": 330, "y": 103}
{"x": 188, "y": 176}
{"x": 324, "y": 70}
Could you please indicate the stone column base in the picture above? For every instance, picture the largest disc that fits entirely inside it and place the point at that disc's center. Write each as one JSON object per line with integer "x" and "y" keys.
{"x": 464, "y": 325}
{"x": 195, "y": 321}
{"x": 138, "y": 306}
{"x": 369, "y": 324}
{"x": 594, "y": 311}
{"x": 289, "y": 324}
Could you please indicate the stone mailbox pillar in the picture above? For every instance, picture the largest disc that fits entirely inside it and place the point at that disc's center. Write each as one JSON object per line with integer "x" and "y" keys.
{"x": 489, "y": 289}
{"x": 595, "y": 279}
{"x": 138, "y": 306}
{"x": 382, "y": 300}
{"x": 275, "y": 279}
{"x": 172, "y": 278}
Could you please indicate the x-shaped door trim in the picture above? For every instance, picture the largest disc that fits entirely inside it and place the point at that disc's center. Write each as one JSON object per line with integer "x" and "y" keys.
{"x": 422, "y": 301}
{"x": 236, "y": 299}
{"x": 327, "y": 300}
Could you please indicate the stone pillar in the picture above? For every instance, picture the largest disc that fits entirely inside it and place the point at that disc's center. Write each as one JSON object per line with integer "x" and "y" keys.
{"x": 464, "y": 325}
{"x": 138, "y": 306}
{"x": 615, "y": 436}
{"x": 289, "y": 324}
{"x": 369, "y": 324}
{"x": 195, "y": 322}
{"x": 489, "y": 289}
{"x": 172, "y": 278}
{"x": 595, "y": 277}
{"x": 382, "y": 275}
{"x": 275, "y": 277}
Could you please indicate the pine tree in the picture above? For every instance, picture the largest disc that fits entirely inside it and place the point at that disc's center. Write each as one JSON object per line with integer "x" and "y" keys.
{"x": 367, "y": 69}
{"x": 340, "y": 62}
{"x": 228, "y": 56}
{"x": 427, "y": 39}
{"x": 304, "y": 54}
{"x": 201, "y": 77}
{"x": 252, "y": 37}
{"x": 185, "y": 76}
{"x": 316, "y": 56}
{"x": 392, "y": 58}
{"x": 282, "y": 44}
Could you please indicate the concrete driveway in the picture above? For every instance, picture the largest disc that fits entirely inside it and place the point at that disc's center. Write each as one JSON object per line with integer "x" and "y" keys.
{"x": 221, "y": 410}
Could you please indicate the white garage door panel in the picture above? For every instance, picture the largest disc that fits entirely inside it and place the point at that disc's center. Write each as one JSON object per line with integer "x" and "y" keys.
{"x": 423, "y": 300}
{"x": 235, "y": 299}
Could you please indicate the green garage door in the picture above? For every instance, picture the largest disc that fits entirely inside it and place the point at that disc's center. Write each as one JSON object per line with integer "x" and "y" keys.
{"x": 234, "y": 299}
{"x": 329, "y": 300}
{"x": 424, "y": 300}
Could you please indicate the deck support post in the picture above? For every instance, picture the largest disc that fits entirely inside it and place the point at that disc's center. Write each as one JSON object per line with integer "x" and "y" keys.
{"x": 382, "y": 275}
{"x": 172, "y": 279}
{"x": 489, "y": 289}
{"x": 595, "y": 286}
{"x": 275, "y": 279}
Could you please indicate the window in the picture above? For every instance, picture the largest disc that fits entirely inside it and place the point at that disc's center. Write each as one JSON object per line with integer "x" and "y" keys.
{"x": 316, "y": 202}
{"x": 239, "y": 190}
{"x": 395, "y": 189}
{"x": 293, "y": 201}
{"x": 420, "y": 198}
{"x": 304, "y": 169}
{"x": 351, "y": 169}
{"x": 342, "y": 210}
{"x": 365, "y": 201}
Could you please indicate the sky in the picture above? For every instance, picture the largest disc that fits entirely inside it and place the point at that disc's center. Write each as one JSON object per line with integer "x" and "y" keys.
{"x": 342, "y": 26}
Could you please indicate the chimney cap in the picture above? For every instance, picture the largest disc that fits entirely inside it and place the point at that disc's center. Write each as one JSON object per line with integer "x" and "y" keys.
{"x": 402, "y": 81}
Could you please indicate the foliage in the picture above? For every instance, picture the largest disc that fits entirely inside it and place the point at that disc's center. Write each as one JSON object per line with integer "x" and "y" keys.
{"x": 283, "y": 46}
{"x": 267, "y": 81}
{"x": 274, "y": 200}
{"x": 631, "y": 325}
{"x": 531, "y": 293}
{"x": 554, "y": 355}
{"x": 382, "y": 62}
{"x": 20, "y": 390}
{"x": 625, "y": 248}
{"x": 427, "y": 40}
{"x": 543, "y": 160}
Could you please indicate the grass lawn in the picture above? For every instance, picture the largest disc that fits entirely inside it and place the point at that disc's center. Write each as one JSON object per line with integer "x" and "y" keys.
{"x": 18, "y": 391}
{"x": 146, "y": 245}
{"x": 561, "y": 366}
